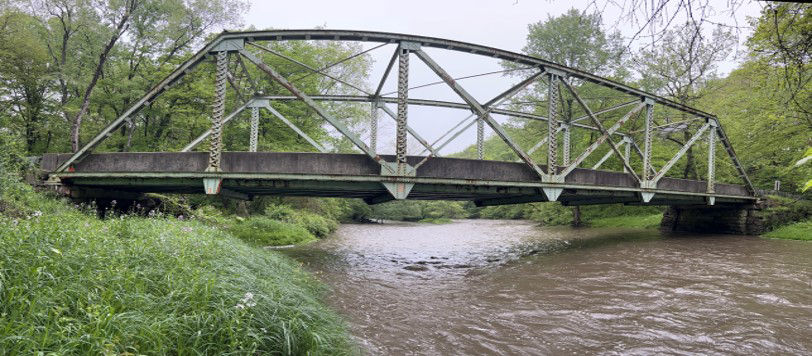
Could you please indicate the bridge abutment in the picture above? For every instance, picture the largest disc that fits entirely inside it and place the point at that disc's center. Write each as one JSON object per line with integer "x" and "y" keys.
{"x": 734, "y": 219}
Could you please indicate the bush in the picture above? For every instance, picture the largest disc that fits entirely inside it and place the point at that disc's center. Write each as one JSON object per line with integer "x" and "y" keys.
{"x": 313, "y": 223}
{"x": 263, "y": 231}
{"x": 73, "y": 284}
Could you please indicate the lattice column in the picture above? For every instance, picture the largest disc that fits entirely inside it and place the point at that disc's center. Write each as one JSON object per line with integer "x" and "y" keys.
{"x": 403, "y": 95}
{"x": 480, "y": 138}
{"x": 567, "y": 145}
{"x": 712, "y": 158}
{"x": 552, "y": 125}
{"x": 218, "y": 110}
{"x": 254, "y": 129}
{"x": 373, "y": 127}
{"x": 648, "y": 172}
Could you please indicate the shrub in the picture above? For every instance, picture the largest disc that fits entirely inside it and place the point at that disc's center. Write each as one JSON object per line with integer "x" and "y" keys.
{"x": 263, "y": 231}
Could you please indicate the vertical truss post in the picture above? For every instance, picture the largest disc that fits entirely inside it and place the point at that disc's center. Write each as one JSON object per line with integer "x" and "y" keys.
{"x": 711, "y": 156}
{"x": 552, "y": 124}
{"x": 252, "y": 144}
{"x": 401, "y": 190}
{"x": 628, "y": 152}
{"x": 480, "y": 138}
{"x": 218, "y": 110}
{"x": 648, "y": 171}
{"x": 373, "y": 127}
{"x": 566, "y": 134}
{"x": 212, "y": 185}
{"x": 403, "y": 108}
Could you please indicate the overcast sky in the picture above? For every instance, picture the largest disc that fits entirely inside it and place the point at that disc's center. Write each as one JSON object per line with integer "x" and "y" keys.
{"x": 497, "y": 23}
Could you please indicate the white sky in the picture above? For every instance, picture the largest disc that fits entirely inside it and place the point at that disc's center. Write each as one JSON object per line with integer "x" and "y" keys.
{"x": 496, "y": 23}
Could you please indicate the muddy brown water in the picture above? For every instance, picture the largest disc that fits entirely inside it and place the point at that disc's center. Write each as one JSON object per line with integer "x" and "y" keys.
{"x": 509, "y": 287}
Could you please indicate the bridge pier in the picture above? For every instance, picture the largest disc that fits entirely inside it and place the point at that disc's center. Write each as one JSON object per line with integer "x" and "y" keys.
{"x": 732, "y": 219}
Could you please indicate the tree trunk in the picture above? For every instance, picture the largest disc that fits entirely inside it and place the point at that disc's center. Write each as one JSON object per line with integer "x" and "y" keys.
{"x": 576, "y": 216}
{"x": 690, "y": 161}
{"x": 120, "y": 28}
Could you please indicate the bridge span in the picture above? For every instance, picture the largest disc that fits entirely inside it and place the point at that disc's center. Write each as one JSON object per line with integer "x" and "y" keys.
{"x": 246, "y": 174}
{"x": 624, "y": 126}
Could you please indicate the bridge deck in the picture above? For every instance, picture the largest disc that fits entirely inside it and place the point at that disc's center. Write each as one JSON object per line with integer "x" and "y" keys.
{"x": 357, "y": 176}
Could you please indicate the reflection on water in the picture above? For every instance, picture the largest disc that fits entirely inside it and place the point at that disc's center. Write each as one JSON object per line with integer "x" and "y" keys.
{"x": 508, "y": 287}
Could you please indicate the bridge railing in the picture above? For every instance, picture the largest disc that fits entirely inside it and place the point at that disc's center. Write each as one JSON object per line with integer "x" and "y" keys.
{"x": 606, "y": 124}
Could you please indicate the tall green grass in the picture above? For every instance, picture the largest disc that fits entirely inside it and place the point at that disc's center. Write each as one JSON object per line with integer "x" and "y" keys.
{"x": 73, "y": 284}
{"x": 796, "y": 231}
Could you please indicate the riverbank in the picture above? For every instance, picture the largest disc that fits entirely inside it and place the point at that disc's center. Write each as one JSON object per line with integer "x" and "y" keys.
{"x": 76, "y": 284}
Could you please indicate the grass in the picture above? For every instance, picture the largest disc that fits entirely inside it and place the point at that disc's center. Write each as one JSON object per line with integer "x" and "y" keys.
{"x": 73, "y": 284}
{"x": 796, "y": 231}
{"x": 651, "y": 221}
{"x": 436, "y": 220}
{"x": 263, "y": 231}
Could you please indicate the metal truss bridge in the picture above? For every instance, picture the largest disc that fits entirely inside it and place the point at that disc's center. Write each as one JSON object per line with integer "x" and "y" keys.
{"x": 377, "y": 177}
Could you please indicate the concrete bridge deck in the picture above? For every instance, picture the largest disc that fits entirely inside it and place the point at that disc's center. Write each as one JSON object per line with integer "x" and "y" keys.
{"x": 246, "y": 174}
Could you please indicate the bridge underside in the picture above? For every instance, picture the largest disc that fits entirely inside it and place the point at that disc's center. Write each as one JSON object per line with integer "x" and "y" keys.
{"x": 245, "y": 175}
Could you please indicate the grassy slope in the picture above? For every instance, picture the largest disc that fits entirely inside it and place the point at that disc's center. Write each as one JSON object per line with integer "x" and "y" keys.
{"x": 797, "y": 231}
{"x": 71, "y": 283}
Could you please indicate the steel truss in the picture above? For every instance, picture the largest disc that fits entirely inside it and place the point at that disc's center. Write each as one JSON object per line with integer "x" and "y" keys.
{"x": 559, "y": 79}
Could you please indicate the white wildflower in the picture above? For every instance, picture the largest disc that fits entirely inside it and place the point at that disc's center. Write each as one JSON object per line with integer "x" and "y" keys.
{"x": 37, "y": 214}
{"x": 248, "y": 299}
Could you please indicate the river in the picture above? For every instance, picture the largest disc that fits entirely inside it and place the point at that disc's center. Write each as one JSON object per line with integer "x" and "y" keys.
{"x": 510, "y": 287}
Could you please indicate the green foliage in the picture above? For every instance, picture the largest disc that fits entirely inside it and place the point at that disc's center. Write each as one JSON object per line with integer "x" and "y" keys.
{"x": 417, "y": 210}
{"x": 576, "y": 40}
{"x": 548, "y": 214}
{"x": 782, "y": 211}
{"x": 317, "y": 225}
{"x": 73, "y": 284}
{"x": 435, "y": 220}
{"x": 263, "y": 231}
{"x": 796, "y": 231}
{"x": 781, "y": 44}
{"x": 629, "y": 221}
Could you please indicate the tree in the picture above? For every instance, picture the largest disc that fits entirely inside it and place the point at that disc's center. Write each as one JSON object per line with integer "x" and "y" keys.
{"x": 83, "y": 36}
{"x": 680, "y": 68}
{"x": 24, "y": 77}
{"x": 782, "y": 41}
{"x": 577, "y": 40}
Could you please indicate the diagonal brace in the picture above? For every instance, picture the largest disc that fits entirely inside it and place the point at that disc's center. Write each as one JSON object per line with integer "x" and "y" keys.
{"x": 312, "y": 104}
{"x": 477, "y": 107}
{"x": 295, "y": 128}
{"x": 600, "y": 127}
{"x": 589, "y": 150}
{"x": 411, "y": 131}
{"x": 208, "y": 132}
{"x": 680, "y": 153}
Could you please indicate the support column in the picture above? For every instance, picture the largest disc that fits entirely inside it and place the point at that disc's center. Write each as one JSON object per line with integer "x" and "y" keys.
{"x": 552, "y": 125}
{"x": 480, "y": 138}
{"x": 648, "y": 172}
{"x": 212, "y": 185}
{"x": 403, "y": 108}
{"x": 628, "y": 152}
{"x": 565, "y": 153}
{"x": 218, "y": 110}
{"x": 252, "y": 144}
{"x": 712, "y": 161}
{"x": 400, "y": 168}
{"x": 373, "y": 127}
